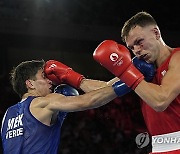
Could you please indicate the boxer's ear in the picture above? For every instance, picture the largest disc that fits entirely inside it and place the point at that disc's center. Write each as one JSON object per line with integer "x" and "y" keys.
{"x": 29, "y": 84}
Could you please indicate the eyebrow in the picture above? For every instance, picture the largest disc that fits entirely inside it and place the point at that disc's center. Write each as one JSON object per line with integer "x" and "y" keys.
{"x": 130, "y": 47}
{"x": 134, "y": 43}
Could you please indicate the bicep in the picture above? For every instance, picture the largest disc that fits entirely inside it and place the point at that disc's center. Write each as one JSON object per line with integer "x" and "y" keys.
{"x": 58, "y": 102}
{"x": 42, "y": 108}
{"x": 93, "y": 99}
{"x": 171, "y": 80}
{"x": 160, "y": 96}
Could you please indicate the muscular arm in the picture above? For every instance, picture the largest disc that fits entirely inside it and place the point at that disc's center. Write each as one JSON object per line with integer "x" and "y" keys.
{"x": 88, "y": 85}
{"x": 89, "y": 100}
{"x": 43, "y": 108}
{"x": 160, "y": 96}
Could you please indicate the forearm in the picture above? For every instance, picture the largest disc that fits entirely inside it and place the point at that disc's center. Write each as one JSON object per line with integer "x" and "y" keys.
{"x": 88, "y": 85}
{"x": 93, "y": 99}
{"x": 112, "y": 81}
{"x": 98, "y": 97}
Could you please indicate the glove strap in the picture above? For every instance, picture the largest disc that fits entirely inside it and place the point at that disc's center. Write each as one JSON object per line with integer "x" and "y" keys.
{"x": 132, "y": 76}
{"x": 74, "y": 79}
{"x": 120, "y": 88}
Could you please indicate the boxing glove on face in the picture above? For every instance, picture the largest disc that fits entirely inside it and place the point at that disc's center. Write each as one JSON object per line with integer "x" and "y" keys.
{"x": 60, "y": 73}
{"x": 116, "y": 58}
{"x": 147, "y": 69}
{"x": 66, "y": 90}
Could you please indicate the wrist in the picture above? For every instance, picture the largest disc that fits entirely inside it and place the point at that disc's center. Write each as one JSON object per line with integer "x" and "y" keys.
{"x": 120, "y": 88}
{"x": 83, "y": 83}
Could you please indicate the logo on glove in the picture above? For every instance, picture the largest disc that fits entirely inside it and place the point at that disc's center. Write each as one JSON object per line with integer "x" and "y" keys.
{"x": 114, "y": 57}
{"x": 52, "y": 65}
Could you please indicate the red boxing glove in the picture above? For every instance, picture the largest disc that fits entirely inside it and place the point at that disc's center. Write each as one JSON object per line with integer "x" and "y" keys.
{"x": 116, "y": 58}
{"x": 59, "y": 73}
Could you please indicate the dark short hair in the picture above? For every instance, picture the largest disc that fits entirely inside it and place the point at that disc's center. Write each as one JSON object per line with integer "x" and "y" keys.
{"x": 24, "y": 71}
{"x": 141, "y": 19}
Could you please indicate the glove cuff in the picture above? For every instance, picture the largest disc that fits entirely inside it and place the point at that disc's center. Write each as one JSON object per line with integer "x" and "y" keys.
{"x": 132, "y": 76}
{"x": 120, "y": 88}
{"x": 74, "y": 79}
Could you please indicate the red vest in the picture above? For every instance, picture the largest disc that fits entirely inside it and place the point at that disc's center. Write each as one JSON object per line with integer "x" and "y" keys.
{"x": 169, "y": 120}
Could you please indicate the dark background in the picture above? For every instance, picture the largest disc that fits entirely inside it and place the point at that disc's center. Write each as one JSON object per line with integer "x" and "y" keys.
{"x": 69, "y": 31}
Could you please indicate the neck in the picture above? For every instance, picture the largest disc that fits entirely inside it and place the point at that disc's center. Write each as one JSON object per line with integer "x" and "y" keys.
{"x": 164, "y": 53}
{"x": 28, "y": 94}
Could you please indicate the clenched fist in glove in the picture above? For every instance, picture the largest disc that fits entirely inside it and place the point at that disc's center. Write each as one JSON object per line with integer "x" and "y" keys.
{"x": 147, "y": 69}
{"x": 59, "y": 73}
{"x": 117, "y": 59}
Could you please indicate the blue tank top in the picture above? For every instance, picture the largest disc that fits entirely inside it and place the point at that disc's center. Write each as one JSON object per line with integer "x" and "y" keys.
{"x": 22, "y": 133}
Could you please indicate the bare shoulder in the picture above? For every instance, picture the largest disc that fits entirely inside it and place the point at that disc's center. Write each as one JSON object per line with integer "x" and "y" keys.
{"x": 39, "y": 108}
{"x": 38, "y": 102}
{"x": 175, "y": 60}
{"x": 42, "y": 102}
{"x": 174, "y": 67}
